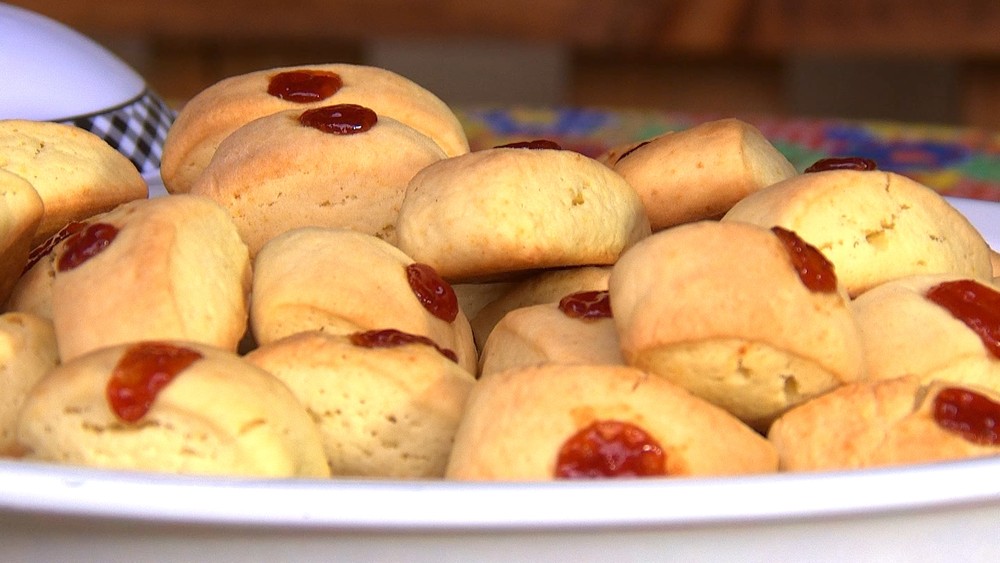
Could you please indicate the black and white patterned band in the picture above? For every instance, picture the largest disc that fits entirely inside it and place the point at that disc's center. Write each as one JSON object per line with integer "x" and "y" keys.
{"x": 136, "y": 128}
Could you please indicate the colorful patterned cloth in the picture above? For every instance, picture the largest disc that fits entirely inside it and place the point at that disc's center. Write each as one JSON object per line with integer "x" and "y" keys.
{"x": 961, "y": 162}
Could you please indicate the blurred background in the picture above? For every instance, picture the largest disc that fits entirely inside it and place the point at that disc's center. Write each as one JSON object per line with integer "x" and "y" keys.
{"x": 930, "y": 61}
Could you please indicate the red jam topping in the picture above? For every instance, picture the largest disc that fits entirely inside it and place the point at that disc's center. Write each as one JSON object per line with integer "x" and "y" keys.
{"x": 815, "y": 271}
{"x": 609, "y": 448}
{"x": 587, "y": 305}
{"x": 340, "y": 119}
{"x": 976, "y": 305}
{"x": 390, "y": 338}
{"x": 141, "y": 373}
{"x": 974, "y": 416}
{"x": 84, "y": 244}
{"x": 435, "y": 294}
{"x": 536, "y": 144}
{"x": 842, "y": 163}
{"x": 304, "y": 86}
{"x": 44, "y": 249}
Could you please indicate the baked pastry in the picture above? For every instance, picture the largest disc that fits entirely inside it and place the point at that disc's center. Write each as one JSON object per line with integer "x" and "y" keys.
{"x": 27, "y": 353}
{"x": 342, "y": 281}
{"x": 597, "y": 421}
{"x": 214, "y": 113}
{"x": 163, "y": 268}
{"x": 699, "y": 173}
{"x": 76, "y": 173}
{"x": 874, "y": 226}
{"x": 542, "y": 287}
{"x": 888, "y": 422}
{"x": 333, "y": 166}
{"x": 170, "y": 406}
{"x": 576, "y": 329}
{"x": 501, "y": 212}
{"x": 935, "y": 327}
{"x": 387, "y": 403}
{"x": 20, "y": 215}
{"x": 748, "y": 318}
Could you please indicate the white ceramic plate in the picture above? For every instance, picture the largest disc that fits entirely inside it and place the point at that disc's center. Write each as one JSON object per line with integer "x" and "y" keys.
{"x": 947, "y": 511}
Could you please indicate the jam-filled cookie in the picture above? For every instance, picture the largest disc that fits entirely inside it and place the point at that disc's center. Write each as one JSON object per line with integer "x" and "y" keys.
{"x": 556, "y": 421}
{"x": 749, "y": 318}
{"x": 224, "y": 107}
{"x": 332, "y": 166}
{"x": 170, "y": 406}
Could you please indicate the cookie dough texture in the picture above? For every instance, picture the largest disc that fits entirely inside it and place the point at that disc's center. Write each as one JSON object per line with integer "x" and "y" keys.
{"x": 382, "y": 412}
{"x": 224, "y": 107}
{"x": 874, "y": 226}
{"x": 221, "y": 415}
{"x": 27, "y": 353}
{"x": 176, "y": 269}
{"x": 76, "y": 173}
{"x": 516, "y": 422}
{"x": 496, "y": 213}
{"x": 341, "y": 281}
{"x": 21, "y": 212}
{"x": 275, "y": 174}
{"x": 904, "y": 333}
{"x": 699, "y": 173}
{"x": 871, "y": 424}
{"x": 719, "y": 309}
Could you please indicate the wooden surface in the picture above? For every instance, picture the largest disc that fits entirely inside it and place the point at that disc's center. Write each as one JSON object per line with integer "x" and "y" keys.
{"x": 711, "y": 55}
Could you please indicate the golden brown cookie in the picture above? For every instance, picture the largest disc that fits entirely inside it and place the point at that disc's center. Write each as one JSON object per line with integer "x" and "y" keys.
{"x": 577, "y": 329}
{"x": 501, "y": 212}
{"x": 387, "y": 404}
{"x": 722, "y": 310}
{"x": 224, "y": 107}
{"x": 341, "y": 281}
{"x": 211, "y": 413}
{"x": 164, "y": 268}
{"x": 874, "y": 226}
{"x": 699, "y": 173}
{"x": 934, "y": 327}
{"x": 76, "y": 173}
{"x": 333, "y": 166}
{"x": 21, "y": 213}
{"x": 542, "y": 287}
{"x": 888, "y": 422}
{"x": 27, "y": 353}
{"x": 549, "y": 422}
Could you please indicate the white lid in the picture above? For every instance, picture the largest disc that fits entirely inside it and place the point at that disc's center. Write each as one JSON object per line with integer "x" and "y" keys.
{"x": 53, "y": 72}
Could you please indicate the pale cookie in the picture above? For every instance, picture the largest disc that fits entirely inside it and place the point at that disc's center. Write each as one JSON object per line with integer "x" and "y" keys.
{"x": 497, "y": 213}
{"x": 341, "y": 281}
{"x": 925, "y": 326}
{"x": 885, "y": 423}
{"x": 388, "y": 411}
{"x": 540, "y": 423}
{"x": 27, "y": 353}
{"x": 284, "y": 171}
{"x": 76, "y": 173}
{"x": 542, "y": 287}
{"x": 215, "y": 414}
{"x": 699, "y": 173}
{"x": 874, "y": 226}
{"x": 21, "y": 213}
{"x": 224, "y": 107}
{"x": 721, "y": 310}
{"x": 577, "y": 329}
{"x": 163, "y": 268}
